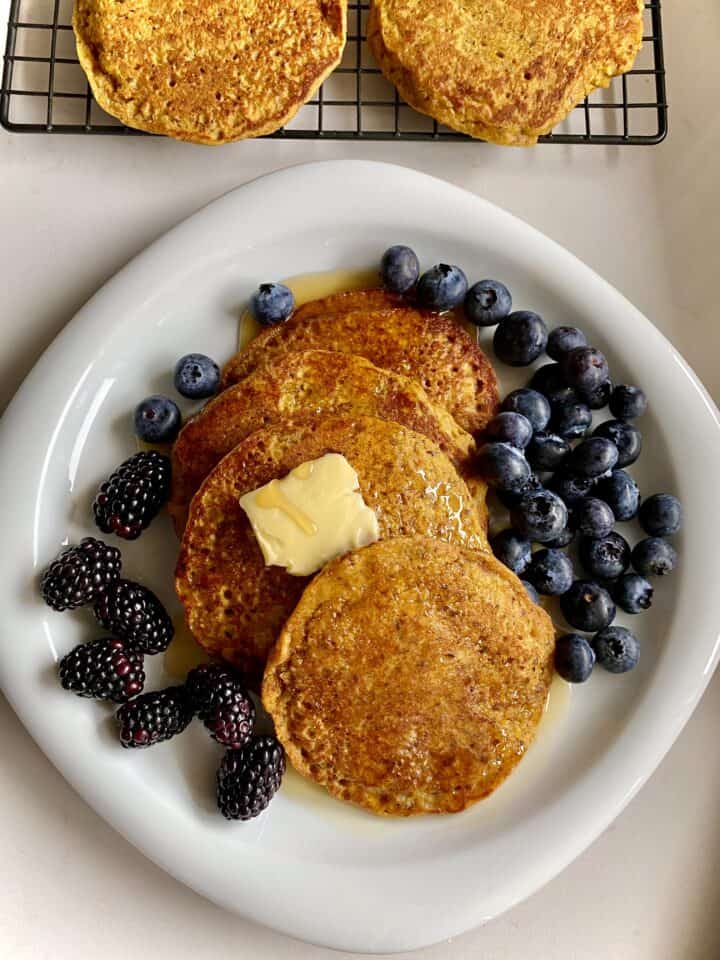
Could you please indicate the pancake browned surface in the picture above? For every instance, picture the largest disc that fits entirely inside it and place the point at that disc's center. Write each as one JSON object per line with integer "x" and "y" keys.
{"x": 349, "y": 301}
{"x": 234, "y": 604}
{"x": 430, "y": 348}
{"x": 209, "y": 71}
{"x": 411, "y": 677}
{"x": 315, "y": 382}
{"x": 504, "y": 70}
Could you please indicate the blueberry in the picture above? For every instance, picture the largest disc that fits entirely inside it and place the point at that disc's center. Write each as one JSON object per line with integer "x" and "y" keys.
{"x": 530, "y": 404}
{"x": 571, "y": 488}
{"x": 593, "y": 518}
{"x": 272, "y": 303}
{"x": 574, "y": 658}
{"x": 509, "y": 427}
{"x": 626, "y": 437}
{"x": 621, "y": 493}
{"x": 512, "y": 550}
{"x": 632, "y": 593}
{"x": 487, "y": 303}
{"x": 540, "y": 516}
{"x": 593, "y": 457}
{"x": 548, "y": 379}
{"x": 571, "y": 420}
{"x": 157, "y": 419}
{"x": 654, "y": 557}
{"x": 550, "y": 572}
{"x": 546, "y": 451}
{"x": 511, "y": 498}
{"x": 587, "y": 606}
{"x": 196, "y": 376}
{"x": 562, "y": 340}
{"x": 442, "y": 287}
{"x": 627, "y": 402}
{"x": 661, "y": 515}
{"x": 520, "y": 338}
{"x": 616, "y": 649}
{"x": 563, "y": 539}
{"x": 531, "y": 591}
{"x": 503, "y": 466}
{"x": 399, "y": 269}
{"x": 563, "y": 397}
{"x": 585, "y": 368}
{"x": 599, "y": 397}
{"x": 605, "y": 558}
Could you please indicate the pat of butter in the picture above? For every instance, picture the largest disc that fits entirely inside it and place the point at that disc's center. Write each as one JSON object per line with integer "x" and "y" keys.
{"x": 313, "y": 514}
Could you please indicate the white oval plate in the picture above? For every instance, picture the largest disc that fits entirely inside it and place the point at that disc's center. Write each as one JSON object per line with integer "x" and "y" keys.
{"x": 311, "y": 866}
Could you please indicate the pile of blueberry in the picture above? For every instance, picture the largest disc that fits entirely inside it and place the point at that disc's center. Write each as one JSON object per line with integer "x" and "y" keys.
{"x": 561, "y": 483}
{"x": 157, "y": 418}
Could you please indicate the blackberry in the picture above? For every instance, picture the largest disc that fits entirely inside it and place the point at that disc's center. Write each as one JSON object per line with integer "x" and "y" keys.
{"x": 200, "y": 684}
{"x": 132, "y": 496}
{"x": 248, "y": 778}
{"x": 104, "y": 669}
{"x": 134, "y": 614}
{"x": 154, "y": 717}
{"x": 219, "y": 698}
{"x": 80, "y": 574}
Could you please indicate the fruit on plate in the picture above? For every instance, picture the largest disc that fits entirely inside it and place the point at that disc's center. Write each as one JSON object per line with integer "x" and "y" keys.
{"x": 80, "y": 574}
{"x": 104, "y": 669}
{"x": 157, "y": 419}
{"x": 249, "y": 778}
{"x": 130, "y": 499}
{"x": 154, "y": 717}
{"x": 134, "y": 614}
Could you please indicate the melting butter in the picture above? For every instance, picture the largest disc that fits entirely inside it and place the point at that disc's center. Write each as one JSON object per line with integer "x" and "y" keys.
{"x": 311, "y": 515}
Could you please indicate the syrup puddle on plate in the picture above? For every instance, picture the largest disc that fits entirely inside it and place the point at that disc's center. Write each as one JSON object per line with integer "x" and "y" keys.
{"x": 184, "y": 652}
{"x": 311, "y": 286}
{"x": 557, "y": 704}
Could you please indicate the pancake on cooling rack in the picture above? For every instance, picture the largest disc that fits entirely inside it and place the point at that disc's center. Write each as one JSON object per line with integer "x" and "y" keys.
{"x": 209, "y": 71}
{"x": 503, "y": 70}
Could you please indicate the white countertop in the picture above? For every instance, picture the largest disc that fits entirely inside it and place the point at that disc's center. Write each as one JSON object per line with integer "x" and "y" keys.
{"x": 74, "y": 209}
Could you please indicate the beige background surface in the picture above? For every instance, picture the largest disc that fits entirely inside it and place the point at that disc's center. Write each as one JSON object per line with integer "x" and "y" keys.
{"x": 648, "y": 219}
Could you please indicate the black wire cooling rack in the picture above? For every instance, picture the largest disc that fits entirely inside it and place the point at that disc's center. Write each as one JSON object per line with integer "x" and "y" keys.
{"x": 44, "y": 90}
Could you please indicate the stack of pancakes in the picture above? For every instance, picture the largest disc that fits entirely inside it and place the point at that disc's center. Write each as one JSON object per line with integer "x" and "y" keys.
{"x": 408, "y": 676}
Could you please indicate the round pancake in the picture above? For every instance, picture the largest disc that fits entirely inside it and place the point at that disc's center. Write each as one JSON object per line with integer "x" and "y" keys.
{"x": 411, "y": 676}
{"x": 504, "y": 70}
{"x": 234, "y": 604}
{"x": 209, "y": 71}
{"x": 314, "y": 382}
{"x": 430, "y": 348}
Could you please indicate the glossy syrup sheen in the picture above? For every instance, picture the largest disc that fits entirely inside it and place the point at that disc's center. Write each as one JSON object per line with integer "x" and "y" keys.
{"x": 311, "y": 286}
{"x": 343, "y": 816}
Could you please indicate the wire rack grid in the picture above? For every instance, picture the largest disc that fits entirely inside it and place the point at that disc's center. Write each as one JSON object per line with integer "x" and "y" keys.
{"x": 44, "y": 90}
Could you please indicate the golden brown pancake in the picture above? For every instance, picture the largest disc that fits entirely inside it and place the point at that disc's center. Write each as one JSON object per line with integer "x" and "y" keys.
{"x": 234, "y": 604}
{"x": 431, "y": 348}
{"x": 349, "y": 301}
{"x": 411, "y": 677}
{"x": 312, "y": 383}
{"x": 209, "y": 71}
{"x": 503, "y": 70}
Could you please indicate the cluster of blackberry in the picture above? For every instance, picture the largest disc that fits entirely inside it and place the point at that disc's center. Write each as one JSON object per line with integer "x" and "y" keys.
{"x": 112, "y": 668}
